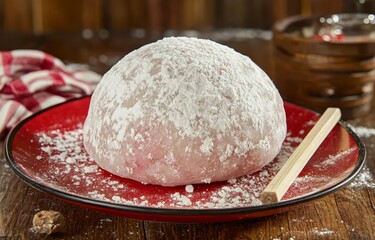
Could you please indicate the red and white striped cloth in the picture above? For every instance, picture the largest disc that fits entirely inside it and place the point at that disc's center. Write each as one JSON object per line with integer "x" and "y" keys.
{"x": 31, "y": 80}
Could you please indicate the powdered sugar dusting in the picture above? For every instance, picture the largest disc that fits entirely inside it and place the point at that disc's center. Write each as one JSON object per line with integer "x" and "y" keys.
{"x": 195, "y": 99}
{"x": 70, "y": 169}
{"x": 189, "y": 188}
{"x": 363, "y": 131}
{"x": 180, "y": 199}
{"x": 364, "y": 179}
{"x": 332, "y": 159}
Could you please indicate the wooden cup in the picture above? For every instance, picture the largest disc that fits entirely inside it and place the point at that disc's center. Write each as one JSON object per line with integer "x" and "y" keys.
{"x": 320, "y": 74}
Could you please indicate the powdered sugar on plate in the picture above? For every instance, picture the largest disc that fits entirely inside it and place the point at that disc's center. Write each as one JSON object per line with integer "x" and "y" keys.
{"x": 68, "y": 168}
{"x": 332, "y": 159}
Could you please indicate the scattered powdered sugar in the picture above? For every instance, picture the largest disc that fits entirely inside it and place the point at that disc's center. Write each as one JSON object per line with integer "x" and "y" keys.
{"x": 62, "y": 148}
{"x": 72, "y": 170}
{"x": 90, "y": 169}
{"x": 70, "y": 160}
{"x": 303, "y": 179}
{"x": 189, "y": 188}
{"x": 310, "y": 123}
{"x": 364, "y": 179}
{"x": 332, "y": 159}
{"x": 322, "y": 232}
{"x": 244, "y": 192}
{"x": 363, "y": 131}
{"x": 181, "y": 200}
{"x": 294, "y": 139}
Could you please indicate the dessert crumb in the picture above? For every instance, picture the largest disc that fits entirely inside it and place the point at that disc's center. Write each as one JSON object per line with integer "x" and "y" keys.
{"x": 48, "y": 222}
{"x": 189, "y": 188}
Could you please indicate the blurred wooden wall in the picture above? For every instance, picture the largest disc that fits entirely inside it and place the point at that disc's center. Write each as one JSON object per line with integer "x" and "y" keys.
{"x": 45, "y": 16}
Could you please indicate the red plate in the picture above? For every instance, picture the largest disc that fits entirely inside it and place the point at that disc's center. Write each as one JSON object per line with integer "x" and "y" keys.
{"x": 46, "y": 151}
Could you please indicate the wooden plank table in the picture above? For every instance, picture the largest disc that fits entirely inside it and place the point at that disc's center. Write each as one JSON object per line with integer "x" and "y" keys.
{"x": 347, "y": 214}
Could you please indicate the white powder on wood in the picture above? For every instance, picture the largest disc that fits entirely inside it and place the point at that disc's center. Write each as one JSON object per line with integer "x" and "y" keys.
{"x": 363, "y": 131}
{"x": 322, "y": 232}
{"x": 364, "y": 179}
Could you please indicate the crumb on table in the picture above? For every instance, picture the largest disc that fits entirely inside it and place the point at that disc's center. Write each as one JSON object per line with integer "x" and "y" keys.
{"x": 48, "y": 222}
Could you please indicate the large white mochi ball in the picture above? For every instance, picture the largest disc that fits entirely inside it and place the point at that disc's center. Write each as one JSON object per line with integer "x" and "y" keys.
{"x": 183, "y": 111}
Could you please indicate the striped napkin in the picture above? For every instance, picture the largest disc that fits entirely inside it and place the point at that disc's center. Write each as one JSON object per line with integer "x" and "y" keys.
{"x": 32, "y": 80}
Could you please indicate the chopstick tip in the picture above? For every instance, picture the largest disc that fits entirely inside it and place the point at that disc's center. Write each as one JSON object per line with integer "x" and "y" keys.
{"x": 268, "y": 197}
{"x": 334, "y": 110}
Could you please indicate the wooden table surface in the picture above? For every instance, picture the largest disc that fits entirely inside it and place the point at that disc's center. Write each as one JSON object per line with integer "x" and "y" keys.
{"x": 347, "y": 214}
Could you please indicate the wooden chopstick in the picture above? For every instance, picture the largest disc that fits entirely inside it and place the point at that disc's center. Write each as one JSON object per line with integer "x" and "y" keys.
{"x": 278, "y": 186}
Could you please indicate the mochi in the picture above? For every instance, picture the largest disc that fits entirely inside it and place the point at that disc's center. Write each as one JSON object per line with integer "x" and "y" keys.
{"x": 184, "y": 111}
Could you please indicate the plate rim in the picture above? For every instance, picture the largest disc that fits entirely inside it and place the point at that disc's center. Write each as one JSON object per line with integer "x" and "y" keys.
{"x": 67, "y": 196}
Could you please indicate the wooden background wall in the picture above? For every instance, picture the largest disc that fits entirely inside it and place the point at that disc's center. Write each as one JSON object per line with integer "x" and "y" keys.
{"x": 45, "y": 16}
